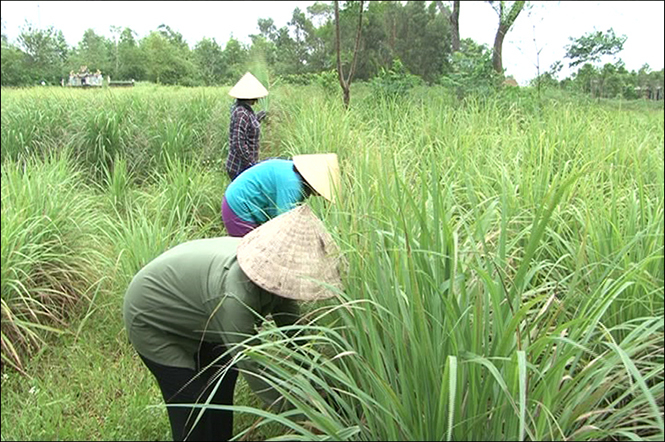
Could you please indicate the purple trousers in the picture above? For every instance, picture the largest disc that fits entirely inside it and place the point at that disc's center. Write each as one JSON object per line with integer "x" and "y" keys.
{"x": 235, "y": 226}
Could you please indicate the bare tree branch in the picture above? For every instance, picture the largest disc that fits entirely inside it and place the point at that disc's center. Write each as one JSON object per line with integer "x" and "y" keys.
{"x": 355, "y": 50}
{"x": 505, "y": 23}
{"x": 337, "y": 47}
{"x": 346, "y": 84}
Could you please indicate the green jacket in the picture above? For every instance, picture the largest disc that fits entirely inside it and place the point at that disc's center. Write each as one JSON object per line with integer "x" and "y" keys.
{"x": 197, "y": 292}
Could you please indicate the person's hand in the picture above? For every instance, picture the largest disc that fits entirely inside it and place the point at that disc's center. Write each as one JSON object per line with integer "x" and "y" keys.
{"x": 261, "y": 115}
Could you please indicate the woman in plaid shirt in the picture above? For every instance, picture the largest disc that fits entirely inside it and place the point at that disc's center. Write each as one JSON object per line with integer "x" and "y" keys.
{"x": 244, "y": 129}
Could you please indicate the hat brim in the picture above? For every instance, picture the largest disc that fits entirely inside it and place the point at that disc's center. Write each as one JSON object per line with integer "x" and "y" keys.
{"x": 248, "y": 88}
{"x": 292, "y": 256}
{"x": 321, "y": 171}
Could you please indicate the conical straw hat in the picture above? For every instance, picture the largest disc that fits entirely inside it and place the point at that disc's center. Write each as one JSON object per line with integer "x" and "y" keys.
{"x": 248, "y": 88}
{"x": 292, "y": 256}
{"x": 321, "y": 171}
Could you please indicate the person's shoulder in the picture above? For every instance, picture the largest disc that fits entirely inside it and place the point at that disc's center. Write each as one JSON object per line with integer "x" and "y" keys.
{"x": 240, "y": 111}
{"x": 270, "y": 163}
{"x": 217, "y": 246}
{"x": 275, "y": 165}
{"x": 259, "y": 170}
{"x": 242, "y": 288}
{"x": 285, "y": 166}
{"x": 279, "y": 162}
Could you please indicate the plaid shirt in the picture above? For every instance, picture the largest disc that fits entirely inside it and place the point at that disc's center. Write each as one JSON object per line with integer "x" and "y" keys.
{"x": 244, "y": 132}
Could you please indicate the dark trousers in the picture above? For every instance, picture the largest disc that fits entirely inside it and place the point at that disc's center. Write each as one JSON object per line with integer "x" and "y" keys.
{"x": 183, "y": 386}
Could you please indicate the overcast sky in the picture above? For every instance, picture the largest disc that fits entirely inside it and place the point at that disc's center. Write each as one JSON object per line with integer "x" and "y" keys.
{"x": 545, "y": 28}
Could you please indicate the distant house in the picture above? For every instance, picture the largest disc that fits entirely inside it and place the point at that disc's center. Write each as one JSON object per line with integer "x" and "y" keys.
{"x": 84, "y": 78}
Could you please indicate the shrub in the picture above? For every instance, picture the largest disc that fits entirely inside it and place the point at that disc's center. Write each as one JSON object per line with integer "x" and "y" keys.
{"x": 395, "y": 82}
{"x": 472, "y": 71}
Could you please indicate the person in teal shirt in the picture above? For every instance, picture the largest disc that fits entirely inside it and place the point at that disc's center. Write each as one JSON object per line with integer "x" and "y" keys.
{"x": 275, "y": 186}
{"x": 190, "y": 311}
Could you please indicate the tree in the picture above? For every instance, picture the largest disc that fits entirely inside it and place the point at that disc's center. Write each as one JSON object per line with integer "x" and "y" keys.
{"x": 261, "y": 59}
{"x": 167, "y": 61}
{"x": 12, "y": 65}
{"x": 267, "y": 28}
{"x": 209, "y": 61}
{"x": 305, "y": 42}
{"x": 286, "y": 54}
{"x": 472, "y": 71}
{"x": 592, "y": 46}
{"x": 322, "y": 12}
{"x": 92, "y": 52}
{"x": 263, "y": 48}
{"x": 235, "y": 56}
{"x": 453, "y": 18}
{"x": 46, "y": 52}
{"x": 378, "y": 39}
{"x": 612, "y": 80}
{"x": 175, "y": 38}
{"x": 584, "y": 78}
{"x": 131, "y": 61}
{"x": 179, "y": 67}
{"x": 157, "y": 58}
{"x": 346, "y": 83}
{"x": 424, "y": 43}
{"x": 507, "y": 16}
{"x": 115, "y": 31}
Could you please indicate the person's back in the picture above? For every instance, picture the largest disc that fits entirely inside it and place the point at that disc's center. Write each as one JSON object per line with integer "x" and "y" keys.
{"x": 244, "y": 135}
{"x": 265, "y": 191}
{"x": 244, "y": 127}
{"x": 191, "y": 312}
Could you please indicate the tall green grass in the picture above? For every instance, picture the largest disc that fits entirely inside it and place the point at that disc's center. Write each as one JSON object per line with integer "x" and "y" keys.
{"x": 49, "y": 258}
{"x": 146, "y": 125}
{"x": 504, "y": 274}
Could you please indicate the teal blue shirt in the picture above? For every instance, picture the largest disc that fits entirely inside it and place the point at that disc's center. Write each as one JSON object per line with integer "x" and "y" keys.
{"x": 265, "y": 191}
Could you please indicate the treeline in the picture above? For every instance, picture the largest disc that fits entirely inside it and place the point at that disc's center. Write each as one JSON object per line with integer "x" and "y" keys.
{"x": 414, "y": 33}
{"x": 612, "y": 80}
{"x": 400, "y": 43}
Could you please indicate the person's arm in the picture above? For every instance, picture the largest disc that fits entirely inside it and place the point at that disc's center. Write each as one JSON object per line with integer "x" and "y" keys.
{"x": 287, "y": 313}
{"x": 252, "y": 142}
{"x": 236, "y": 322}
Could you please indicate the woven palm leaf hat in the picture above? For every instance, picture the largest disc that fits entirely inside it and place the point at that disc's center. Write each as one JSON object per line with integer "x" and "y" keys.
{"x": 321, "y": 171}
{"x": 292, "y": 256}
{"x": 248, "y": 88}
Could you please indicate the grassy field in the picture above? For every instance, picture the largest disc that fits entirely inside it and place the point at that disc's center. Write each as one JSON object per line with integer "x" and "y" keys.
{"x": 505, "y": 261}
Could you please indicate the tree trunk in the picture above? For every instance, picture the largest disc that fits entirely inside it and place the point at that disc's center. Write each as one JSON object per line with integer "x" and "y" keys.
{"x": 346, "y": 83}
{"x": 454, "y": 22}
{"x": 497, "y": 59}
{"x": 340, "y": 75}
{"x": 505, "y": 23}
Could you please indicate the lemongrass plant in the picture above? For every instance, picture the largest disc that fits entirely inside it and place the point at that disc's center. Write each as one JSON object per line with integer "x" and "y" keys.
{"x": 482, "y": 301}
{"x": 505, "y": 256}
{"x": 48, "y": 256}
